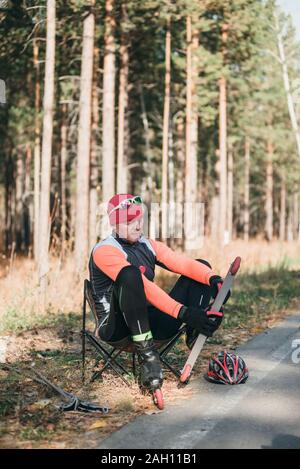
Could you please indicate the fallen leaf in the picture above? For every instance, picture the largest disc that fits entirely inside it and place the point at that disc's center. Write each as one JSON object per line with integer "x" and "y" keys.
{"x": 39, "y": 404}
{"x": 98, "y": 424}
{"x": 263, "y": 299}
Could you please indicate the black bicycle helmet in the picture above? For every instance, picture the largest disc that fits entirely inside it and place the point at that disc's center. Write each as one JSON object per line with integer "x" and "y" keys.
{"x": 227, "y": 368}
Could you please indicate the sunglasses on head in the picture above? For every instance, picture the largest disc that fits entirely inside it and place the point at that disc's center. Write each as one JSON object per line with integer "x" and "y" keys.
{"x": 127, "y": 202}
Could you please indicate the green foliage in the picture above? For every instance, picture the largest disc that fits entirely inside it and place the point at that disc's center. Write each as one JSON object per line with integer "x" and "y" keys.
{"x": 18, "y": 320}
{"x": 274, "y": 289}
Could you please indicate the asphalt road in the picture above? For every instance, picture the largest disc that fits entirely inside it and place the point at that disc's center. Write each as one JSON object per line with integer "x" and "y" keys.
{"x": 263, "y": 413}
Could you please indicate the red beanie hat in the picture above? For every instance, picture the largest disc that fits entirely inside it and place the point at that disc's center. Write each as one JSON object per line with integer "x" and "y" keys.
{"x": 122, "y": 215}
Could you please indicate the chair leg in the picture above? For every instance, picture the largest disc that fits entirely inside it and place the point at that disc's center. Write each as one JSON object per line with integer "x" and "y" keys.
{"x": 112, "y": 359}
{"x": 172, "y": 342}
{"x": 98, "y": 374}
{"x": 109, "y": 360}
{"x": 166, "y": 350}
{"x": 83, "y": 337}
{"x": 167, "y": 365}
{"x": 134, "y": 368}
{"x": 108, "y": 357}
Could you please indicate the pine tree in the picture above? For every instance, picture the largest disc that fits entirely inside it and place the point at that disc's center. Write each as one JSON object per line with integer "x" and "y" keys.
{"x": 84, "y": 140}
{"x": 108, "y": 120}
{"x": 48, "y": 107}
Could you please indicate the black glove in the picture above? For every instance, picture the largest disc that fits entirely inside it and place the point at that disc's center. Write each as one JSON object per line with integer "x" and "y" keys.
{"x": 203, "y": 320}
{"x": 215, "y": 282}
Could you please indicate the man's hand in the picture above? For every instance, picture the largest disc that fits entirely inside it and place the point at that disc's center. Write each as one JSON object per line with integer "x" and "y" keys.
{"x": 216, "y": 282}
{"x": 206, "y": 322}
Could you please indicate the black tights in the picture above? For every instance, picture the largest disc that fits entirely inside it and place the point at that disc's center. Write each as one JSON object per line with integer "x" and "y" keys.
{"x": 131, "y": 315}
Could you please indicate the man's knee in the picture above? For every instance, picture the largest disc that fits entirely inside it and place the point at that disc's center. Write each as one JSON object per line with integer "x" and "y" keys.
{"x": 203, "y": 261}
{"x": 128, "y": 276}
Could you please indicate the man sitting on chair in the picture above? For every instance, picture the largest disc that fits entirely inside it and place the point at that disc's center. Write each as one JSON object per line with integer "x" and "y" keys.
{"x": 130, "y": 304}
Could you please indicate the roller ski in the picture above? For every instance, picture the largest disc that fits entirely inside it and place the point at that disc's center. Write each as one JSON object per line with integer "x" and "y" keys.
{"x": 151, "y": 376}
{"x": 215, "y": 307}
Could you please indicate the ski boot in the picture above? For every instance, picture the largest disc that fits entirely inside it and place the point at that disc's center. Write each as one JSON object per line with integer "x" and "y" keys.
{"x": 151, "y": 376}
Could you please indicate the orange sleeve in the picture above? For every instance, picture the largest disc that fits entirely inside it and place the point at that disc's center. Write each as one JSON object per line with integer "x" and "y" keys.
{"x": 111, "y": 261}
{"x": 181, "y": 264}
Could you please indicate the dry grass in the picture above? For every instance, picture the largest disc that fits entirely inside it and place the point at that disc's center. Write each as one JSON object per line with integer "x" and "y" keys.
{"x": 256, "y": 255}
{"x": 19, "y": 286}
{"x": 19, "y": 294}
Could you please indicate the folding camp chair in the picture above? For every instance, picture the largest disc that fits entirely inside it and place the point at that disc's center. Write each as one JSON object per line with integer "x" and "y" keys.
{"x": 110, "y": 352}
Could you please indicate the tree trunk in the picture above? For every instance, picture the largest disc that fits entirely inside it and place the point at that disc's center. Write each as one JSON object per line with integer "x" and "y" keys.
{"x": 84, "y": 140}
{"x": 166, "y": 124}
{"x": 8, "y": 200}
{"x": 179, "y": 180}
{"x": 298, "y": 234}
{"x": 247, "y": 190}
{"x": 44, "y": 218}
{"x": 27, "y": 204}
{"x": 95, "y": 157}
{"x": 230, "y": 192}
{"x": 108, "y": 121}
{"x": 282, "y": 220}
{"x": 223, "y": 145}
{"x": 191, "y": 169}
{"x": 27, "y": 184}
{"x": 127, "y": 150}
{"x": 194, "y": 117}
{"x": 290, "y": 221}
{"x": 149, "y": 169}
{"x": 171, "y": 217}
{"x": 37, "y": 150}
{"x": 63, "y": 162}
{"x": 295, "y": 215}
{"x": 214, "y": 217}
{"x": 19, "y": 179}
{"x": 269, "y": 192}
{"x": 286, "y": 81}
{"x": 123, "y": 103}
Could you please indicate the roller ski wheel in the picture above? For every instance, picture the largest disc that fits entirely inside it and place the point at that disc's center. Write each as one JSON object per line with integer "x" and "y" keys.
{"x": 158, "y": 399}
{"x": 185, "y": 375}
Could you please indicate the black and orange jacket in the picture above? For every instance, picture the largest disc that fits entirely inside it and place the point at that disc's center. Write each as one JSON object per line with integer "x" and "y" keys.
{"x": 113, "y": 253}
